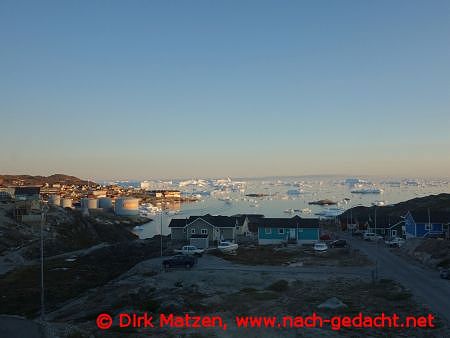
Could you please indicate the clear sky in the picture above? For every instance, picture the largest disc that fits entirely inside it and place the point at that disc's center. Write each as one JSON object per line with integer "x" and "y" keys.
{"x": 148, "y": 89}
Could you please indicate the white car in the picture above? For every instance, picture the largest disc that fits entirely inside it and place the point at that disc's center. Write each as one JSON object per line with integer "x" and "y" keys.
{"x": 395, "y": 242}
{"x": 371, "y": 236}
{"x": 190, "y": 250}
{"x": 226, "y": 246}
{"x": 320, "y": 247}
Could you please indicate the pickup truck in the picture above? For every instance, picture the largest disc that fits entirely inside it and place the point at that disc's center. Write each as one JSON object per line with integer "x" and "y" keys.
{"x": 371, "y": 236}
{"x": 395, "y": 242}
{"x": 190, "y": 250}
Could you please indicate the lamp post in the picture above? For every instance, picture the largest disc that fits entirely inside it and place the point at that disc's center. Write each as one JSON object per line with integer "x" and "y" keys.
{"x": 44, "y": 210}
{"x": 160, "y": 231}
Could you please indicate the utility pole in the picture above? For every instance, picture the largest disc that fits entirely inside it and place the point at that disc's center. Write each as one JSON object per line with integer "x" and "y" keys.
{"x": 375, "y": 219}
{"x": 43, "y": 219}
{"x": 161, "y": 234}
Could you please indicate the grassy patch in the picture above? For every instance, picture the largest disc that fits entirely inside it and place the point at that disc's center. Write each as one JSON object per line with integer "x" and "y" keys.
{"x": 263, "y": 295}
{"x": 259, "y": 255}
{"x": 248, "y": 290}
{"x": 279, "y": 286}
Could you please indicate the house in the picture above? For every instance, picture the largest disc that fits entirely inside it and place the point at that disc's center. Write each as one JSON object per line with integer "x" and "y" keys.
{"x": 387, "y": 226}
{"x": 244, "y": 224}
{"x": 27, "y": 193}
{"x": 27, "y": 204}
{"x": 169, "y": 194}
{"x": 423, "y": 223}
{"x": 216, "y": 228}
{"x": 6, "y": 194}
{"x": 284, "y": 230}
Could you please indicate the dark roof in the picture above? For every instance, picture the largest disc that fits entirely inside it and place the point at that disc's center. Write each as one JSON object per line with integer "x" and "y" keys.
{"x": 178, "y": 223}
{"x": 294, "y": 222}
{"x": 27, "y": 191}
{"x": 421, "y": 216}
{"x": 217, "y": 221}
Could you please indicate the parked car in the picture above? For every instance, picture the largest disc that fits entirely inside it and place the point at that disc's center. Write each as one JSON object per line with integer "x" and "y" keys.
{"x": 178, "y": 261}
{"x": 190, "y": 250}
{"x": 320, "y": 247}
{"x": 445, "y": 273}
{"x": 371, "y": 236}
{"x": 340, "y": 243}
{"x": 395, "y": 242}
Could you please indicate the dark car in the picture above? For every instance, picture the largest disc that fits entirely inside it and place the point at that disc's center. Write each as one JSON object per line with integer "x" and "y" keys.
{"x": 445, "y": 274}
{"x": 340, "y": 243}
{"x": 179, "y": 260}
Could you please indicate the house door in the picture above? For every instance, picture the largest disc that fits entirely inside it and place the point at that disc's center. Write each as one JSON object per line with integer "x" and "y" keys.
{"x": 292, "y": 234}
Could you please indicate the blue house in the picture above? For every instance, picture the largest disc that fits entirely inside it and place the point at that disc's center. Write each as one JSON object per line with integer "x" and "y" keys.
{"x": 288, "y": 230}
{"x": 423, "y": 223}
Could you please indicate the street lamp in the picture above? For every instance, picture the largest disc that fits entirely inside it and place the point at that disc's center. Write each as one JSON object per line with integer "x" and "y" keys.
{"x": 44, "y": 210}
{"x": 160, "y": 231}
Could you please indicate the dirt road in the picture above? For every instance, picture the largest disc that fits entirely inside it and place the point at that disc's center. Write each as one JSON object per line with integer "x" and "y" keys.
{"x": 424, "y": 283}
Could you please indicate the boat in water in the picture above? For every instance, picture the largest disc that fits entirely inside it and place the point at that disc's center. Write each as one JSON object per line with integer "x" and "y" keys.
{"x": 367, "y": 191}
{"x": 306, "y": 211}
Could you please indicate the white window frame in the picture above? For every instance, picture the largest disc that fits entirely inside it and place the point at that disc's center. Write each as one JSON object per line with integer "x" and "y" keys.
{"x": 281, "y": 231}
{"x": 428, "y": 226}
{"x": 394, "y": 233}
{"x": 193, "y": 231}
{"x": 268, "y": 231}
{"x": 204, "y": 231}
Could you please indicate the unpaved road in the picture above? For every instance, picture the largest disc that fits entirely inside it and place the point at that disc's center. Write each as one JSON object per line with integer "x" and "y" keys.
{"x": 424, "y": 283}
{"x": 213, "y": 263}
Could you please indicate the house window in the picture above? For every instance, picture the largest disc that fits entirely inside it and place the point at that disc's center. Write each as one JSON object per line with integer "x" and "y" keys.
{"x": 192, "y": 231}
{"x": 394, "y": 233}
{"x": 204, "y": 231}
{"x": 281, "y": 231}
{"x": 268, "y": 230}
{"x": 428, "y": 226}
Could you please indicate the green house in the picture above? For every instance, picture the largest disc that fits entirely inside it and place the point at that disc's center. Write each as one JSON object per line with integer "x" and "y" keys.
{"x": 288, "y": 230}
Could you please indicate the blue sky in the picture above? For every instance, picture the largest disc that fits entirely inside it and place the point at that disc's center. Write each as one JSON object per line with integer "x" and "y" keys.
{"x": 141, "y": 89}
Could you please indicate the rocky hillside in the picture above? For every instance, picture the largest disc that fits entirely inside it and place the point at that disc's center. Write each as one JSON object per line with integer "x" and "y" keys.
{"x": 432, "y": 252}
{"x": 437, "y": 204}
{"x": 42, "y": 180}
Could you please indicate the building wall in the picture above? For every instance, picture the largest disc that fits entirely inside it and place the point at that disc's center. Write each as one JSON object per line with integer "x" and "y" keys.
{"x": 273, "y": 233}
{"x": 422, "y": 230}
{"x": 214, "y": 233}
{"x": 243, "y": 230}
{"x": 228, "y": 234}
{"x": 304, "y": 235}
{"x": 201, "y": 243}
{"x": 198, "y": 225}
{"x": 177, "y": 234}
{"x": 307, "y": 235}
